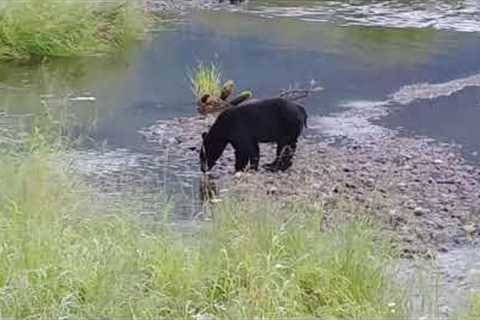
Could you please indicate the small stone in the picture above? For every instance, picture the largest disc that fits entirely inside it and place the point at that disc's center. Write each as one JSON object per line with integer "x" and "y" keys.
{"x": 419, "y": 211}
{"x": 350, "y": 185}
{"x": 438, "y": 161}
{"x": 402, "y": 186}
{"x": 410, "y": 204}
{"x": 272, "y": 190}
{"x": 469, "y": 228}
{"x": 370, "y": 183}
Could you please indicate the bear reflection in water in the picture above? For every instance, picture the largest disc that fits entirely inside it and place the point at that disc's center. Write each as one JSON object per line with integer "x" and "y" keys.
{"x": 207, "y": 188}
{"x": 274, "y": 120}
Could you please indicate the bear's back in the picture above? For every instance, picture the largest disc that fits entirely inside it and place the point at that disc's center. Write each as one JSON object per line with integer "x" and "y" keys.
{"x": 263, "y": 119}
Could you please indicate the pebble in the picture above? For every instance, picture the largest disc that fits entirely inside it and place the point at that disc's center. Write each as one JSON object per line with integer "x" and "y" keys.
{"x": 419, "y": 211}
{"x": 410, "y": 204}
{"x": 272, "y": 190}
{"x": 469, "y": 228}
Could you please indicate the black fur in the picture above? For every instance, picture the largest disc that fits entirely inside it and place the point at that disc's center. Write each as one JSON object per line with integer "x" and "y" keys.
{"x": 272, "y": 120}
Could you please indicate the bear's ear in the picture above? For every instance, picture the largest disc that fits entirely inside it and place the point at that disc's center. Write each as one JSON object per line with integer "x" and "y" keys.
{"x": 204, "y": 135}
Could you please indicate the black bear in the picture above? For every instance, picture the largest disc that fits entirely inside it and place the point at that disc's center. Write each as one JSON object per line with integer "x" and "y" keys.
{"x": 245, "y": 126}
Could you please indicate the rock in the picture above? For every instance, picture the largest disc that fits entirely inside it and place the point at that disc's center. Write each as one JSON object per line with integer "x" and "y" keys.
{"x": 350, "y": 185}
{"x": 469, "y": 228}
{"x": 419, "y": 211}
{"x": 402, "y": 186}
{"x": 272, "y": 190}
{"x": 370, "y": 183}
{"x": 410, "y": 204}
{"x": 443, "y": 249}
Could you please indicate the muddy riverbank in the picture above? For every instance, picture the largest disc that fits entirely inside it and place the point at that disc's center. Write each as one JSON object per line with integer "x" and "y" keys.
{"x": 423, "y": 192}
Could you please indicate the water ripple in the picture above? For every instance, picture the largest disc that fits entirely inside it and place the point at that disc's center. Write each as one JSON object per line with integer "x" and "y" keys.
{"x": 443, "y": 15}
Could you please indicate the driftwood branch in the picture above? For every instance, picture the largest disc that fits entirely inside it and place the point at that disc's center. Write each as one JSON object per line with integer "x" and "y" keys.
{"x": 209, "y": 104}
{"x": 297, "y": 94}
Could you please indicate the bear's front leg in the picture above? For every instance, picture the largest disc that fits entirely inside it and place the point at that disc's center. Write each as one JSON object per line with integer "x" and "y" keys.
{"x": 241, "y": 160}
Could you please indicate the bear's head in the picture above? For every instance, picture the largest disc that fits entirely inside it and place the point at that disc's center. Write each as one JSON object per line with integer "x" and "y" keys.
{"x": 211, "y": 150}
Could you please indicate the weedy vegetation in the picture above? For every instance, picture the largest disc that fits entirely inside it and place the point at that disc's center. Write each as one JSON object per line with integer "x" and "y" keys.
{"x": 63, "y": 255}
{"x": 39, "y": 29}
{"x": 205, "y": 79}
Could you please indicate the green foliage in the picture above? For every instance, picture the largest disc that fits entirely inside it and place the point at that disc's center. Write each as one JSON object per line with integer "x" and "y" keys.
{"x": 474, "y": 310}
{"x": 64, "y": 258}
{"x": 205, "y": 79}
{"x": 35, "y": 29}
{"x": 272, "y": 262}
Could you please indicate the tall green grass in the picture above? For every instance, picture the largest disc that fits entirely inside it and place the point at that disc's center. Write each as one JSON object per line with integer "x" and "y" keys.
{"x": 205, "y": 79}
{"x": 61, "y": 258}
{"x": 32, "y": 29}
{"x": 64, "y": 256}
{"x": 473, "y": 311}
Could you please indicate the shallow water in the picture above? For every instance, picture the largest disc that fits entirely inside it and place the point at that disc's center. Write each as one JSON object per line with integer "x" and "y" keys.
{"x": 369, "y": 57}
{"x": 441, "y": 15}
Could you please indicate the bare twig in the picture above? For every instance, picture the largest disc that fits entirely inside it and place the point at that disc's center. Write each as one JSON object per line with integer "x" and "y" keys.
{"x": 297, "y": 94}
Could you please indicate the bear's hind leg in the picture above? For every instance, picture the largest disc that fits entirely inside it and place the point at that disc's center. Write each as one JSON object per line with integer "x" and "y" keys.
{"x": 245, "y": 153}
{"x": 255, "y": 157}
{"x": 285, "y": 159}
{"x": 272, "y": 166}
